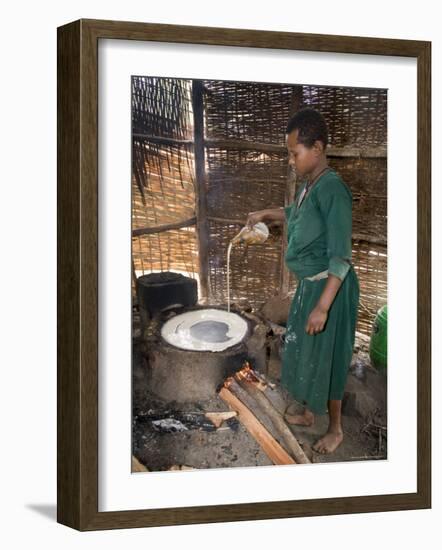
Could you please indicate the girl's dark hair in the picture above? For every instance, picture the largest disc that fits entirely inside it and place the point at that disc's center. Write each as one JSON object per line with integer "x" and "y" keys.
{"x": 311, "y": 126}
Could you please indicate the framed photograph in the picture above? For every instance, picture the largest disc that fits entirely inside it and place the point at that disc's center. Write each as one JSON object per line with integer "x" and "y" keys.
{"x": 236, "y": 210}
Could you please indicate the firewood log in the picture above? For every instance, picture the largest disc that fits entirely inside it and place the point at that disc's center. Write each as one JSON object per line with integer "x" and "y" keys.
{"x": 268, "y": 444}
{"x": 281, "y": 427}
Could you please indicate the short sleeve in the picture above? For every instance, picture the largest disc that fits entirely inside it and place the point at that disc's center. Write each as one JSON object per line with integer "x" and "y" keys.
{"x": 334, "y": 200}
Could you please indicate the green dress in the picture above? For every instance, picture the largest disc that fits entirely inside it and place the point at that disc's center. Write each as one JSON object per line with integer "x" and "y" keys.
{"x": 315, "y": 367}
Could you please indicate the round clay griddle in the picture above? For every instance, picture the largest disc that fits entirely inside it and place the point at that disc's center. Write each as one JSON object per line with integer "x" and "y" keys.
{"x": 204, "y": 330}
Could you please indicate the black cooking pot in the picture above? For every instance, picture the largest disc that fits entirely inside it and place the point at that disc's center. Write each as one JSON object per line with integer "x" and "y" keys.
{"x": 158, "y": 292}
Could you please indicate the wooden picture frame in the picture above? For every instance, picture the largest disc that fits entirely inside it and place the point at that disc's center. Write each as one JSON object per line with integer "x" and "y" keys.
{"x": 77, "y": 224}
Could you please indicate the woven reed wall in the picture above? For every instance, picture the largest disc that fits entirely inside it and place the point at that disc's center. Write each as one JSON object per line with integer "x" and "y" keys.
{"x": 244, "y": 177}
{"x": 371, "y": 267}
{"x": 161, "y": 107}
{"x": 367, "y": 179}
{"x": 163, "y": 188}
{"x": 240, "y": 182}
{"x": 247, "y": 110}
{"x": 355, "y": 116}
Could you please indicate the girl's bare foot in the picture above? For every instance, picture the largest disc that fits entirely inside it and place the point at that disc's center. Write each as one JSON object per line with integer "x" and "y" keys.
{"x": 329, "y": 443}
{"x": 307, "y": 418}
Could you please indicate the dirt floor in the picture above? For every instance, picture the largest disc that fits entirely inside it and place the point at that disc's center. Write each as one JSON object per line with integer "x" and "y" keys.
{"x": 166, "y": 435}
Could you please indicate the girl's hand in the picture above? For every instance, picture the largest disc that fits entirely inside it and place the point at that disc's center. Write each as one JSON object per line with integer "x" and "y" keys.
{"x": 316, "y": 321}
{"x": 254, "y": 217}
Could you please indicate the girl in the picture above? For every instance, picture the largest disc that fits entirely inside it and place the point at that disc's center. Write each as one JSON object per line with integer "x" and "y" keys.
{"x": 322, "y": 320}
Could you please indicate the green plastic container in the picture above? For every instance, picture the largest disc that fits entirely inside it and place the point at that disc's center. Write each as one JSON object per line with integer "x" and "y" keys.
{"x": 378, "y": 341}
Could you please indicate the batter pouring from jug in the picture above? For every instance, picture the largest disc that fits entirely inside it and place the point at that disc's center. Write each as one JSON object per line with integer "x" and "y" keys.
{"x": 321, "y": 325}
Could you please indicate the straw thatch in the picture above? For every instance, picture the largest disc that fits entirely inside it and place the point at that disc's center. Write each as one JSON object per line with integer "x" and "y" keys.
{"x": 189, "y": 201}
